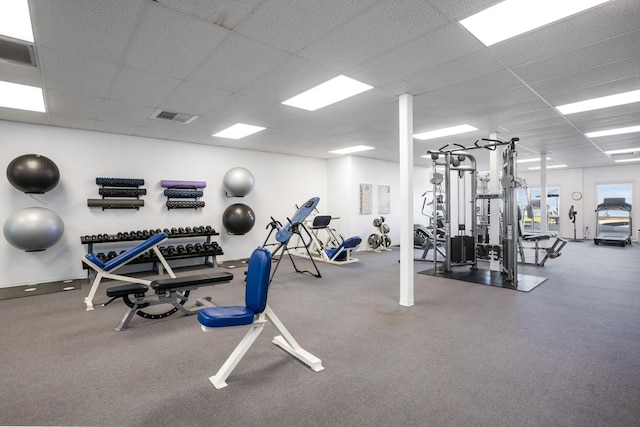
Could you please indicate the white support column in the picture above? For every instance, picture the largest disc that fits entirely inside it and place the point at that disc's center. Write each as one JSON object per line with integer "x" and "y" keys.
{"x": 406, "y": 199}
{"x": 495, "y": 165}
{"x": 544, "y": 222}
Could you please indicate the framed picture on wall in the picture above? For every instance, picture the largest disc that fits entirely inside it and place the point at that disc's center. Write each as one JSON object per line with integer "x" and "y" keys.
{"x": 365, "y": 199}
{"x": 384, "y": 199}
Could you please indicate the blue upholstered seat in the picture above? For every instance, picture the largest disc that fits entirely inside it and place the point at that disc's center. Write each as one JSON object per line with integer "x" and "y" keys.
{"x": 348, "y": 245}
{"x": 255, "y": 296}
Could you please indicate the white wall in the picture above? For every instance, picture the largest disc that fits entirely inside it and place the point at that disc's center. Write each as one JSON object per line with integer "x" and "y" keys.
{"x": 345, "y": 174}
{"x": 81, "y": 156}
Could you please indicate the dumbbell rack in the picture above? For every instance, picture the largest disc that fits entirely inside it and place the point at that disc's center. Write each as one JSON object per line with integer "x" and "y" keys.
{"x": 209, "y": 249}
{"x": 119, "y": 193}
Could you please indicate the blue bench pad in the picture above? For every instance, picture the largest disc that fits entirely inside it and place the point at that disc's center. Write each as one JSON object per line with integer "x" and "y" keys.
{"x": 218, "y": 317}
{"x": 350, "y": 243}
{"x": 200, "y": 279}
{"x": 131, "y": 253}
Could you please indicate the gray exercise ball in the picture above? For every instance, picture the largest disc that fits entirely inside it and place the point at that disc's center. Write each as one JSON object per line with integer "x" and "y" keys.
{"x": 33, "y": 229}
{"x": 33, "y": 173}
{"x": 238, "y": 219}
{"x": 238, "y": 182}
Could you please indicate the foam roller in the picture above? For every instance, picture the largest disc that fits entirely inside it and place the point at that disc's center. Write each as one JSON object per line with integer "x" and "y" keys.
{"x": 122, "y": 192}
{"x": 168, "y": 183}
{"x": 182, "y": 193}
{"x": 114, "y": 203}
{"x": 182, "y": 204}
{"x": 119, "y": 182}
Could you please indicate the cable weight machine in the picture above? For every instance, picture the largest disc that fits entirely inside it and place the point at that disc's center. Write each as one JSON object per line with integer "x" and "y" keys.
{"x": 458, "y": 167}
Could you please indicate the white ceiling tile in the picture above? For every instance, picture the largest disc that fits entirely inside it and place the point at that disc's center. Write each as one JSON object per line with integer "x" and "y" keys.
{"x": 121, "y": 112}
{"x": 193, "y": 98}
{"x": 583, "y": 58}
{"x": 224, "y": 13}
{"x": 92, "y": 28}
{"x": 140, "y": 87}
{"x": 76, "y": 74}
{"x": 236, "y": 63}
{"x": 439, "y": 46}
{"x": 291, "y": 26}
{"x": 73, "y": 104}
{"x": 170, "y": 43}
{"x": 595, "y": 91}
{"x": 458, "y": 70}
{"x": 71, "y": 121}
{"x": 613, "y": 71}
{"x": 362, "y": 38}
{"x": 460, "y": 9}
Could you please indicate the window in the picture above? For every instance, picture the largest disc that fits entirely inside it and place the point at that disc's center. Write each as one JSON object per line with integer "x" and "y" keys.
{"x": 529, "y": 204}
{"x": 609, "y": 191}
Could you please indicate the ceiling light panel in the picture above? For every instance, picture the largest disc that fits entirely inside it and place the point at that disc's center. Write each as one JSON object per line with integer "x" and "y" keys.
{"x": 15, "y": 20}
{"x": 438, "y": 133}
{"x": 21, "y": 97}
{"x": 537, "y": 159}
{"x": 537, "y": 168}
{"x": 636, "y": 159}
{"x": 238, "y": 131}
{"x": 624, "y": 151}
{"x": 354, "y": 149}
{"x": 514, "y": 17}
{"x": 327, "y": 93}
{"x": 601, "y": 102}
{"x": 609, "y": 132}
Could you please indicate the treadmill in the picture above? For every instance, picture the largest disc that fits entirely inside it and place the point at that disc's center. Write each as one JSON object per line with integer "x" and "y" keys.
{"x": 613, "y": 222}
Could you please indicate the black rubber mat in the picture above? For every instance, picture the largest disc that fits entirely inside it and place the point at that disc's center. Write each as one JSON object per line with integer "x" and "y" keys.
{"x": 487, "y": 277}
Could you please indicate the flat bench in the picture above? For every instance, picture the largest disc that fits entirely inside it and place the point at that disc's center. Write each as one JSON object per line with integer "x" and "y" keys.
{"x": 173, "y": 291}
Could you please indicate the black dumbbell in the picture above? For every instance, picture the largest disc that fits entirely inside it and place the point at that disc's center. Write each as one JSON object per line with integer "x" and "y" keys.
{"x": 112, "y": 255}
{"x": 102, "y": 257}
{"x": 190, "y": 249}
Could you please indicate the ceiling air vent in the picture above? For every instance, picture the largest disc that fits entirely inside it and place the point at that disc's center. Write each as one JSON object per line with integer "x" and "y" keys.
{"x": 18, "y": 53}
{"x": 183, "y": 118}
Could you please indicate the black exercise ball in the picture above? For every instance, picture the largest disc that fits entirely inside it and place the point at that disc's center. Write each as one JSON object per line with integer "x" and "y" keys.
{"x": 33, "y": 173}
{"x": 238, "y": 219}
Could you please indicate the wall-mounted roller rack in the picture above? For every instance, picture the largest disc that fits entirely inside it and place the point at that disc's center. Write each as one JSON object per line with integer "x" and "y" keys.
{"x": 119, "y": 193}
{"x": 183, "y": 190}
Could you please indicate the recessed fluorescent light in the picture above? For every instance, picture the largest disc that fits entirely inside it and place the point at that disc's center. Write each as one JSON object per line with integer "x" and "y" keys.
{"x": 513, "y": 17}
{"x": 618, "y": 131}
{"x": 21, "y": 97}
{"x": 327, "y": 93}
{"x": 15, "y": 20}
{"x": 602, "y": 102}
{"x": 239, "y": 130}
{"x": 623, "y": 151}
{"x": 537, "y": 159}
{"x": 454, "y": 130}
{"x": 353, "y": 149}
{"x": 536, "y": 168}
{"x": 637, "y": 159}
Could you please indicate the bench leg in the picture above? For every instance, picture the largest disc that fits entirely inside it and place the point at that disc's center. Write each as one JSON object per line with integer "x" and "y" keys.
{"x": 290, "y": 345}
{"x": 127, "y": 318}
{"x": 92, "y": 292}
{"x": 220, "y": 378}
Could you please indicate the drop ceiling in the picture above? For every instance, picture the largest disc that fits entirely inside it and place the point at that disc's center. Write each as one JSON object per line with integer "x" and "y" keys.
{"x": 108, "y": 66}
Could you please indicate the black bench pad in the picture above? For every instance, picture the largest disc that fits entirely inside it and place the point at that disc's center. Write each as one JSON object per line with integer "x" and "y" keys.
{"x": 200, "y": 279}
{"x": 123, "y": 290}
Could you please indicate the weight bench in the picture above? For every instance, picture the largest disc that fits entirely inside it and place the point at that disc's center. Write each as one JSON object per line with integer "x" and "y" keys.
{"x": 342, "y": 254}
{"x": 173, "y": 291}
{"x": 550, "y": 252}
{"x": 254, "y": 315}
{"x": 106, "y": 269}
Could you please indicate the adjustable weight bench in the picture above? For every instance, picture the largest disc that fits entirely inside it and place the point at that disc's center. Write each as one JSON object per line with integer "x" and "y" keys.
{"x": 173, "y": 291}
{"x": 254, "y": 315}
{"x": 552, "y": 251}
{"x": 342, "y": 254}
{"x": 106, "y": 269}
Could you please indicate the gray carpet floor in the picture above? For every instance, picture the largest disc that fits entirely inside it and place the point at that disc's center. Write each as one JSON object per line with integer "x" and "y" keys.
{"x": 565, "y": 354}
